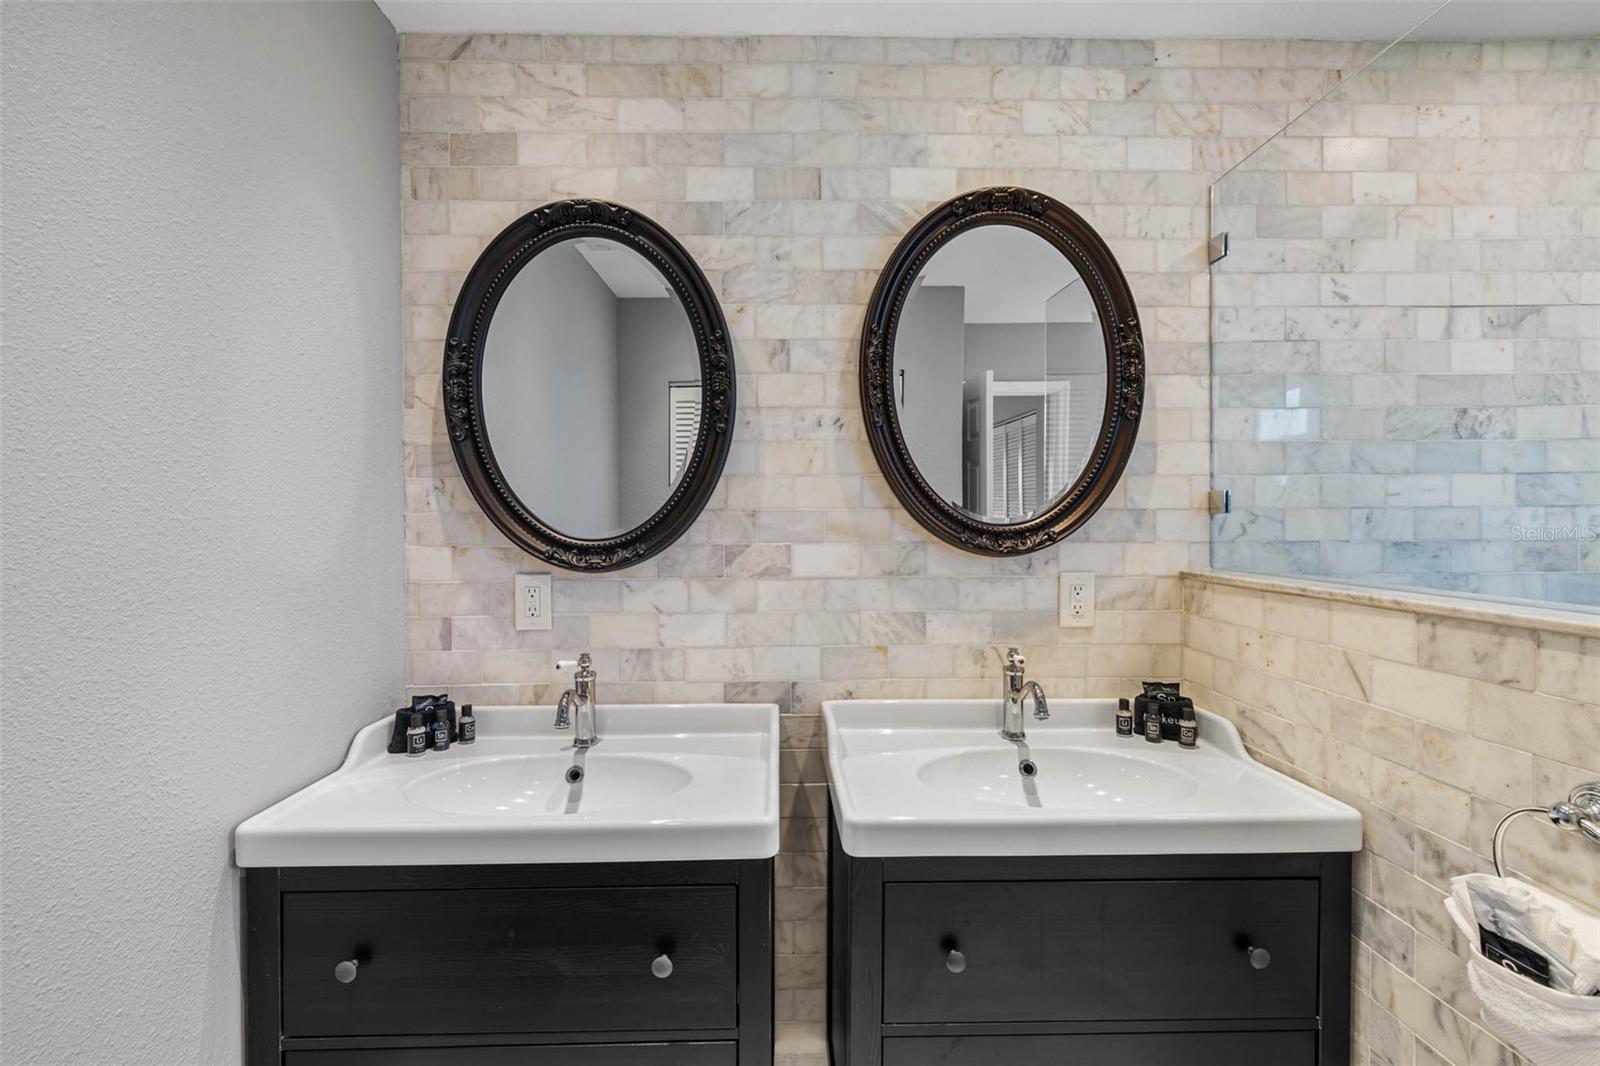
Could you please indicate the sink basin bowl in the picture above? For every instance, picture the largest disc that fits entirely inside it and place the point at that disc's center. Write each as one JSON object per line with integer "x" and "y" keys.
{"x": 519, "y": 784}
{"x": 1065, "y": 779}
{"x": 935, "y": 778}
{"x": 666, "y": 782}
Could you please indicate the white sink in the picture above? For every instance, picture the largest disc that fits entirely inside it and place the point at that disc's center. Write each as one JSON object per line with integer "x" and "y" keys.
{"x": 668, "y": 781}
{"x": 934, "y": 778}
{"x": 519, "y": 785}
{"x": 1065, "y": 779}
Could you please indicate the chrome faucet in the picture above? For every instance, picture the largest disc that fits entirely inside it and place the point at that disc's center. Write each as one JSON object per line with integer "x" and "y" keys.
{"x": 1012, "y": 692}
{"x": 580, "y": 698}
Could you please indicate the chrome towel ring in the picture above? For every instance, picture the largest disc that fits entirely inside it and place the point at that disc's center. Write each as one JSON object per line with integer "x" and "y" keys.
{"x": 1578, "y": 813}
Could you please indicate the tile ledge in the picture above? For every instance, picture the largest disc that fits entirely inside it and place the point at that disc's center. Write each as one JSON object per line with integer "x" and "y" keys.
{"x": 1550, "y": 620}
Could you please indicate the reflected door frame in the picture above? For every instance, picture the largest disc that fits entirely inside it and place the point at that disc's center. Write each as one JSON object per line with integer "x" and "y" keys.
{"x": 1056, "y": 395}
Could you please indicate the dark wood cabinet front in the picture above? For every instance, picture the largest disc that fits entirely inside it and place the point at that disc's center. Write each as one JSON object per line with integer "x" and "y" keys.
{"x": 1137, "y": 960}
{"x": 1102, "y": 1049}
{"x": 584, "y": 964}
{"x": 509, "y": 960}
{"x": 722, "y": 1053}
{"x": 1099, "y": 950}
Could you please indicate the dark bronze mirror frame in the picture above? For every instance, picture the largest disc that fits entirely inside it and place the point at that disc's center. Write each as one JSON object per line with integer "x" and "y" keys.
{"x": 1119, "y": 320}
{"x": 463, "y": 379}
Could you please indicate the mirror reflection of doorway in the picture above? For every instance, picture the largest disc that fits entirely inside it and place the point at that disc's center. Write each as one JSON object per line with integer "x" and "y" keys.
{"x": 1015, "y": 461}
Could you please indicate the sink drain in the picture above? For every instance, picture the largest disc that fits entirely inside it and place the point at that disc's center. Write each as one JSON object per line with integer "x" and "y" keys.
{"x": 574, "y": 774}
{"x": 1027, "y": 768}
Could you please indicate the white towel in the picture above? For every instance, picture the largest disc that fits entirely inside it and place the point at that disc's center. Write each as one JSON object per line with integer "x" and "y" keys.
{"x": 1568, "y": 937}
{"x": 1546, "y": 1026}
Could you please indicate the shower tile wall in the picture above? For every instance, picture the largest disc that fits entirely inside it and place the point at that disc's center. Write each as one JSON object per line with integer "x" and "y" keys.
{"x": 1407, "y": 342}
{"x": 790, "y": 167}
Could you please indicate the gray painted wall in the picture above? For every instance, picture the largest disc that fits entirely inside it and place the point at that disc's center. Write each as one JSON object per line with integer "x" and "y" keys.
{"x": 549, "y": 389}
{"x": 201, "y": 509}
{"x": 655, "y": 345}
{"x": 929, "y": 344}
{"x": 1078, "y": 353}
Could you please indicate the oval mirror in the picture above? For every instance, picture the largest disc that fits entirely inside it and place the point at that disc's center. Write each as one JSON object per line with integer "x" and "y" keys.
{"x": 1002, "y": 371}
{"x": 588, "y": 387}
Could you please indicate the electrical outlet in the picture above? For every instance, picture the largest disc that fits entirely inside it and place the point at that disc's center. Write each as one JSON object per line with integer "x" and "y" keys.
{"x": 530, "y": 601}
{"x": 1077, "y": 599}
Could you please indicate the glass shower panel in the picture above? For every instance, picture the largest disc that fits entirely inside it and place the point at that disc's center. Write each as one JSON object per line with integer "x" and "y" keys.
{"x": 1405, "y": 330}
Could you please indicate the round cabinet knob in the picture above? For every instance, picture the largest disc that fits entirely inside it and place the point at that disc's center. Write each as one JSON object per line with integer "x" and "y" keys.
{"x": 955, "y": 961}
{"x": 1260, "y": 958}
{"x": 661, "y": 967}
{"x": 345, "y": 972}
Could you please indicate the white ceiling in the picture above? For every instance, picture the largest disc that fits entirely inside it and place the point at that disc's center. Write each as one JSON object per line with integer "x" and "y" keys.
{"x": 627, "y": 273}
{"x": 1010, "y": 275}
{"x": 1377, "y": 20}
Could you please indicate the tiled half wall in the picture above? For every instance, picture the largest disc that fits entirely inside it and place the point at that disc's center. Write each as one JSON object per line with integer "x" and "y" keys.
{"x": 1433, "y": 725}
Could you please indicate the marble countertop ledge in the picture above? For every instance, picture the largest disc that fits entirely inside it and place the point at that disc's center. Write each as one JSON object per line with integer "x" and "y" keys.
{"x": 1473, "y": 608}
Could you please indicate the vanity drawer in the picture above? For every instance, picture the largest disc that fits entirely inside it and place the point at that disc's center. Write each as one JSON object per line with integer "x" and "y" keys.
{"x": 1096, "y": 1049}
{"x": 1099, "y": 950}
{"x": 719, "y": 1053}
{"x": 510, "y": 960}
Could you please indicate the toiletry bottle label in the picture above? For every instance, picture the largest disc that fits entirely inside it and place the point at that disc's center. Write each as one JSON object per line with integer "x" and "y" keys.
{"x": 441, "y": 736}
{"x": 416, "y": 742}
{"x": 469, "y": 730}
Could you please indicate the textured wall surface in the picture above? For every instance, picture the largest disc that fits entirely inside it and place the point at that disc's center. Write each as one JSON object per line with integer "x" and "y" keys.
{"x": 1408, "y": 328}
{"x": 790, "y": 167}
{"x": 1433, "y": 726}
{"x": 201, "y": 506}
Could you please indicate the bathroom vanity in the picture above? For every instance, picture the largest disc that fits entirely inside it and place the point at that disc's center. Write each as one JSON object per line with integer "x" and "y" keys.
{"x": 478, "y": 906}
{"x": 1122, "y": 902}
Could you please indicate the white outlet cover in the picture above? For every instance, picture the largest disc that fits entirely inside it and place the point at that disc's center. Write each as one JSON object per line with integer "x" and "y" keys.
{"x": 1077, "y": 600}
{"x": 530, "y": 601}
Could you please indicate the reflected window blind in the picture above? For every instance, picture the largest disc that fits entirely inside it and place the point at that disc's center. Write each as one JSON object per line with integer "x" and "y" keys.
{"x": 1014, "y": 478}
{"x": 683, "y": 423}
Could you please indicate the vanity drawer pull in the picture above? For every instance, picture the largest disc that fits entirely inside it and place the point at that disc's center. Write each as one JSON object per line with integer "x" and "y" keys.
{"x": 955, "y": 961}
{"x": 1260, "y": 958}
{"x": 662, "y": 967}
{"x": 345, "y": 972}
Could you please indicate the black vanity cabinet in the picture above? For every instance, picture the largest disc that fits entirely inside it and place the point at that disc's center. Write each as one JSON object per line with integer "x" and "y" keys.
{"x": 1124, "y": 960}
{"x": 615, "y": 964}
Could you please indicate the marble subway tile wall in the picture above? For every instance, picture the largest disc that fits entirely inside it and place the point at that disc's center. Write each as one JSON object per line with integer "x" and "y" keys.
{"x": 1433, "y": 726}
{"x": 1407, "y": 334}
{"x": 790, "y": 167}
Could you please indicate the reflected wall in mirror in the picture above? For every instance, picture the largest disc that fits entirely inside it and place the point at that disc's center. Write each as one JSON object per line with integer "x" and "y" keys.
{"x": 587, "y": 384}
{"x": 1002, "y": 371}
{"x": 590, "y": 360}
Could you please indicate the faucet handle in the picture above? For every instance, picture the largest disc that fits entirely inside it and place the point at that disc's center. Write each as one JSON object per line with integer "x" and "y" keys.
{"x": 1015, "y": 660}
{"x": 582, "y": 668}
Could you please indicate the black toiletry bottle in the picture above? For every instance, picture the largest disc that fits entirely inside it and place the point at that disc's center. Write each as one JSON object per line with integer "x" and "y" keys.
{"x": 1124, "y": 718}
{"x": 416, "y": 736}
{"x": 1152, "y": 725}
{"x": 466, "y": 725}
{"x": 441, "y": 731}
{"x": 1188, "y": 726}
